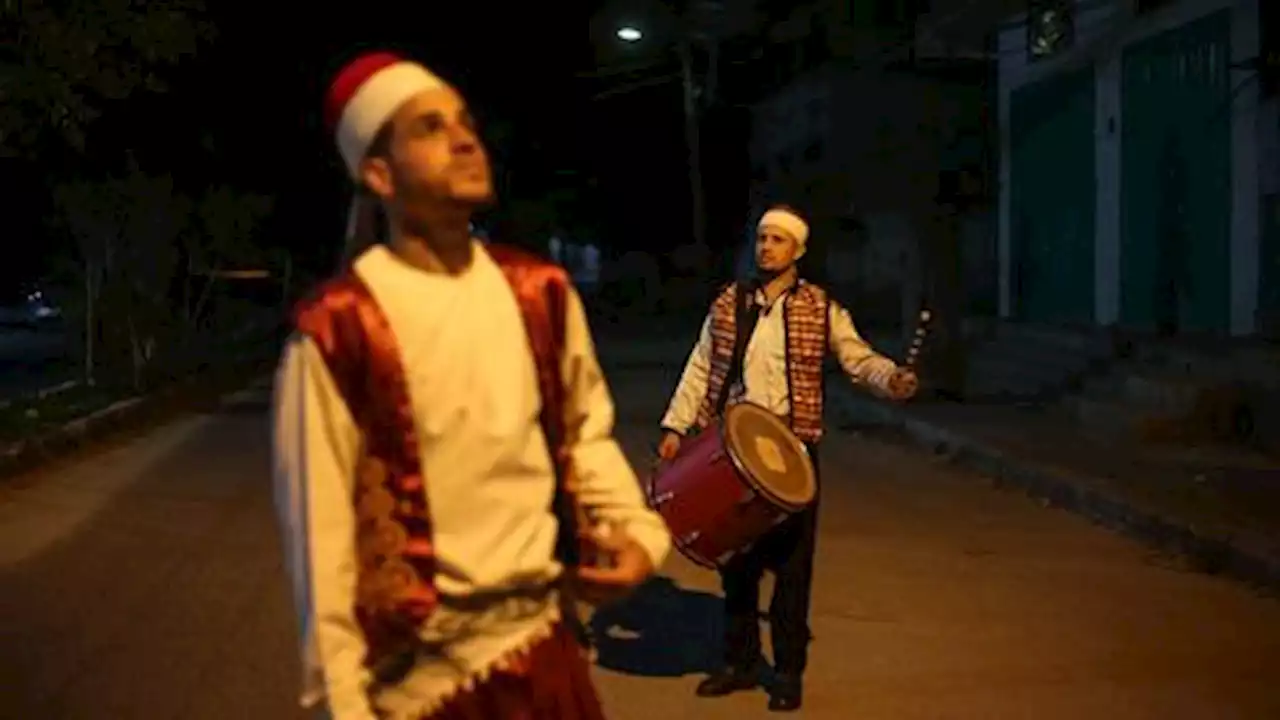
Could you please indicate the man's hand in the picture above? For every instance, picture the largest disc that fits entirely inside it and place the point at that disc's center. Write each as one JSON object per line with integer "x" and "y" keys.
{"x": 668, "y": 446}
{"x": 902, "y": 385}
{"x": 621, "y": 565}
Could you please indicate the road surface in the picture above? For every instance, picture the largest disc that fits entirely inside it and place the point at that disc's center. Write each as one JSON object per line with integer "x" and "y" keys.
{"x": 145, "y": 583}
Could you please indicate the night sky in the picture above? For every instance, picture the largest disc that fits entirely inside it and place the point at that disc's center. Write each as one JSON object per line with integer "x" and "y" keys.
{"x": 256, "y": 91}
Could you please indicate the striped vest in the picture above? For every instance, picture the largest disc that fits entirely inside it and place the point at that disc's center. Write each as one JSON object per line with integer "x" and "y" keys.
{"x": 805, "y": 313}
{"x": 395, "y": 555}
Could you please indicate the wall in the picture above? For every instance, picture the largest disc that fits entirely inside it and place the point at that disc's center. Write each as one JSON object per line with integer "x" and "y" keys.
{"x": 960, "y": 28}
{"x": 860, "y": 152}
{"x": 785, "y": 123}
{"x": 882, "y": 141}
{"x": 1103, "y": 29}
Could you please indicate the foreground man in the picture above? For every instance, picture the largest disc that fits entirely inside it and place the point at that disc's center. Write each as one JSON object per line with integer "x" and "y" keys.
{"x": 764, "y": 342}
{"x": 440, "y": 414}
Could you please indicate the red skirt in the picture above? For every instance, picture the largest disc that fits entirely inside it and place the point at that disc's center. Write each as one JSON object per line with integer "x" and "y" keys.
{"x": 549, "y": 681}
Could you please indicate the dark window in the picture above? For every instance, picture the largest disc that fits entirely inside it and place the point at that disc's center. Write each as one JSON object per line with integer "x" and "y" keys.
{"x": 1269, "y": 57}
{"x": 857, "y": 11}
{"x": 815, "y": 47}
{"x": 888, "y": 12}
{"x": 782, "y": 61}
{"x": 815, "y": 108}
{"x": 1146, "y": 6}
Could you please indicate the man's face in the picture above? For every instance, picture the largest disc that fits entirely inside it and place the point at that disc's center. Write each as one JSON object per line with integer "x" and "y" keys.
{"x": 434, "y": 158}
{"x": 775, "y": 250}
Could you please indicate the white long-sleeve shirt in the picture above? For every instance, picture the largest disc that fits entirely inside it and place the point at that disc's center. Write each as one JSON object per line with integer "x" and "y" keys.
{"x": 764, "y": 364}
{"x": 489, "y": 477}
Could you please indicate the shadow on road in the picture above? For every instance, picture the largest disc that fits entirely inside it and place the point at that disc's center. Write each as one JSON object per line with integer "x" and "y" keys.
{"x": 662, "y": 630}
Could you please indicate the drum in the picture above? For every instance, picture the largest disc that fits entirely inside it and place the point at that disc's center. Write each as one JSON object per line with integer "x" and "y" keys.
{"x": 731, "y": 483}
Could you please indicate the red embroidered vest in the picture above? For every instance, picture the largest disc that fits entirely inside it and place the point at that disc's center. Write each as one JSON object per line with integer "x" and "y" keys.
{"x": 395, "y": 591}
{"x": 805, "y": 314}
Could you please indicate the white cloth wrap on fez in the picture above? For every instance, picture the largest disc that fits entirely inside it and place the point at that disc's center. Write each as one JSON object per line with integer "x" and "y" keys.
{"x": 789, "y": 223}
{"x": 374, "y": 103}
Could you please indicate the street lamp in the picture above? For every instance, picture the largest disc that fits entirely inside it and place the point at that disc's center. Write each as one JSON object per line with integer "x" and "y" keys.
{"x": 631, "y": 34}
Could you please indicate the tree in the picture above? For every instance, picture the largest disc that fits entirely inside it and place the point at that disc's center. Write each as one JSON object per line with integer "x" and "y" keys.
{"x": 62, "y": 63}
{"x": 137, "y": 242}
{"x": 90, "y": 215}
{"x": 157, "y": 218}
{"x": 226, "y": 221}
{"x": 126, "y": 232}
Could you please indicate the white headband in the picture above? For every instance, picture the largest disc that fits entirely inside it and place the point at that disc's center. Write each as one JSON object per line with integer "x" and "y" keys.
{"x": 789, "y": 223}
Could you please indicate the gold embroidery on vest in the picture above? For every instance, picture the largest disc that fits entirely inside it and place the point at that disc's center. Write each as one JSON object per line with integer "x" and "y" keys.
{"x": 723, "y": 323}
{"x": 807, "y": 333}
{"x": 807, "y": 339}
{"x": 380, "y": 539}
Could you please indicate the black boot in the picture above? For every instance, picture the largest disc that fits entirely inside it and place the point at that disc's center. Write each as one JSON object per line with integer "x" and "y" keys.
{"x": 786, "y": 694}
{"x": 729, "y": 680}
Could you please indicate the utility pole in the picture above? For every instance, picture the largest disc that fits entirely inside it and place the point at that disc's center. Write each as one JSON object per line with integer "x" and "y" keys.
{"x": 692, "y": 137}
{"x": 703, "y": 23}
{"x": 698, "y": 25}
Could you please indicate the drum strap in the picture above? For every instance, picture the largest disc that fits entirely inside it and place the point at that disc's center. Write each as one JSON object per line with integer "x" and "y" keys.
{"x": 746, "y": 315}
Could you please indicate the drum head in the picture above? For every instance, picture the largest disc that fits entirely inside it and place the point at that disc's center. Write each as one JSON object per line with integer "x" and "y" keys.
{"x": 770, "y": 456}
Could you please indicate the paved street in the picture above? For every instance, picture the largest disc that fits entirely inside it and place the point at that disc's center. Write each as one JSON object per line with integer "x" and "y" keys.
{"x": 145, "y": 583}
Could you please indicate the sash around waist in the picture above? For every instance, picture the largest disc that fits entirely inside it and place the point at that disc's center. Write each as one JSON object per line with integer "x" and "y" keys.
{"x": 463, "y": 639}
{"x": 482, "y": 600}
{"x": 459, "y": 618}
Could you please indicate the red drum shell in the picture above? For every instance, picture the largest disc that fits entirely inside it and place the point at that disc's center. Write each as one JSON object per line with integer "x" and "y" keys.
{"x": 732, "y": 483}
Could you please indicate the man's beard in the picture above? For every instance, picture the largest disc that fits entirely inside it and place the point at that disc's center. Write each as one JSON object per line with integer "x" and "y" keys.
{"x": 764, "y": 275}
{"x": 430, "y": 217}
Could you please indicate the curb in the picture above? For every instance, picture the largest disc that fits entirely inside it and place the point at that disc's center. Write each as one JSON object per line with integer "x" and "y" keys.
{"x": 132, "y": 413}
{"x": 1213, "y": 553}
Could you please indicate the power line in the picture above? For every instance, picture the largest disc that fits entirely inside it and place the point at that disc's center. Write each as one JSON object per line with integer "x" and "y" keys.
{"x": 638, "y": 85}
{"x": 883, "y": 56}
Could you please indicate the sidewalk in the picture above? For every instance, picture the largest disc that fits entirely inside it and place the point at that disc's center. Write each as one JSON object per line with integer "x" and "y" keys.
{"x": 1219, "y": 510}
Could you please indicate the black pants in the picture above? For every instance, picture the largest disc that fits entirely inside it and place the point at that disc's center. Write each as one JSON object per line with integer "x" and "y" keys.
{"x": 787, "y": 551}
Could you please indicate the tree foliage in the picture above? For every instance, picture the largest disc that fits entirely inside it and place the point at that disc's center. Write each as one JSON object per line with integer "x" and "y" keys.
{"x": 131, "y": 235}
{"x": 62, "y": 63}
{"x": 222, "y": 237}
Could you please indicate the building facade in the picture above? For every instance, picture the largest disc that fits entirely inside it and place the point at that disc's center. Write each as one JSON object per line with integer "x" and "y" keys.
{"x": 1137, "y": 166}
{"x": 870, "y": 118}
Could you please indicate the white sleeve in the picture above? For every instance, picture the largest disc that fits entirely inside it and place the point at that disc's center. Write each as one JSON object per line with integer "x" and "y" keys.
{"x": 682, "y": 412}
{"x": 607, "y": 485}
{"x": 317, "y": 444}
{"x": 859, "y": 360}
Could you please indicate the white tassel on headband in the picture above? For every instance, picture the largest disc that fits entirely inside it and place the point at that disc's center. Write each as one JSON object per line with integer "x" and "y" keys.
{"x": 362, "y": 227}
{"x": 789, "y": 223}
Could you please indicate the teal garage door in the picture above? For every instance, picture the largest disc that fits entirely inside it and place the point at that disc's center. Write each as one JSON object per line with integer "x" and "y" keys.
{"x": 1269, "y": 269}
{"x": 1176, "y": 179}
{"x": 1052, "y": 199}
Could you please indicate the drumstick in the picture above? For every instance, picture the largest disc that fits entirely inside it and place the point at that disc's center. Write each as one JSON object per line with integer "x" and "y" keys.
{"x": 918, "y": 340}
